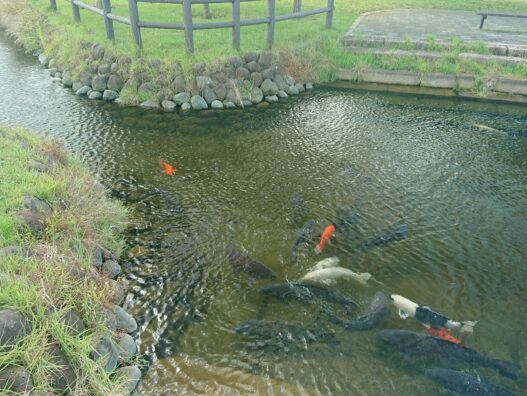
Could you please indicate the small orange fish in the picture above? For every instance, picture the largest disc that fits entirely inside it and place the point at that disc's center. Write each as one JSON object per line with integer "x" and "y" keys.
{"x": 167, "y": 168}
{"x": 326, "y": 234}
{"x": 442, "y": 334}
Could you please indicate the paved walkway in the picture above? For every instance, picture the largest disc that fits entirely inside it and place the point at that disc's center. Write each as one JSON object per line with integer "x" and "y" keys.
{"x": 419, "y": 24}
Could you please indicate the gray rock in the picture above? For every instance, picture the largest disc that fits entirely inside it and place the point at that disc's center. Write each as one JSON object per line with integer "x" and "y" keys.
{"x": 73, "y": 322}
{"x": 176, "y": 67}
{"x": 97, "y": 52}
{"x": 76, "y": 85}
{"x": 22, "y": 251}
{"x": 268, "y": 73}
{"x": 253, "y": 67}
{"x": 279, "y": 80}
{"x": 52, "y": 71}
{"x": 246, "y": 103}
{"x": 242, "y": 73}
{"x": 86, "y": 78}
{"x": 66, "y": 79}
{"x": 179, "y": 84}
{"x": 83, "y": 90}
{"x": 256, "y": 95}
{"x": 131, "y": 84}
{"x": 56, "y": 79}
{"x": 109, "y": 95}
{"x": 126, "y": 346}
{"x": 117, "y": 290}
{"x": 186, "y": 106}
{"x": 236, "y": 61}
{"x": 309, "y": 85}
{"x": 203, "y": 81}
{"x": 198, "y": 68}
{"x": 123, "y": 320}
{"x": 149, "y": 104}
{"x": 216, "y": 104}
{"x": 198, "y": 103}
{"x": 266, "y": 59}
{"x": 250, "y": 57}
{"x": 209, "y": 95}
{"x": 38, "y": 166}
{"x": 289, "y": 80}
{"x": 97, "y": 257}
{"x": 229, "y": 105}
{"x": 105, "y": 353}
{"x": 111, "y": 268}
{"x": 34, "y": 221}
{"x": 13, "y": 328}
{"x": 43, "y": 59}
{"x": 156, "y": 64}
{"x": 114, "y": 68}
{"x": 219, "y": 77}
{"x": 282, "y": 95}
{"x": 62, "y": 377}
{"x": 115, "y": 83}
{"x": 168, "y": 105}
{"x": 145, "y": 87}
{"x": 220, "y": 91}
{"x": 132, "y": 375}
{"x": 16, "y": 379}
{"x": 256, "y": 79}
{"x": 269, "y": 88}
{"x": 35, "y": 204}
{"x": 103, "y": 70}
{"x": 93, "y": 68}
{"x": 99, "y": 83}
{"x": 292, "y": 90}
{"x": 271, "y": 99}
{"x": 180, "y": 98}
{"x": 230, "y": 71}
{"x": 124, "y": 61}
{"x": 231, "y": 96}
{"x": 300, "y": 87}
{"x": 95, "y": 95}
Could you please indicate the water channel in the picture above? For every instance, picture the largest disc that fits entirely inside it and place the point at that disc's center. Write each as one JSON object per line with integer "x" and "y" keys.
{"x": 253, "y": 177}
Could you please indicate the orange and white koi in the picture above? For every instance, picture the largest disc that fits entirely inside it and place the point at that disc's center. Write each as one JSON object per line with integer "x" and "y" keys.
{"x": 167, "y": 168}
{"x": 326, "y": 234}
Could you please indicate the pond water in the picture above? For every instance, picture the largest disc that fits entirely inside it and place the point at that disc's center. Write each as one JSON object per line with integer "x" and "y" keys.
{"x": 253, "y": 177}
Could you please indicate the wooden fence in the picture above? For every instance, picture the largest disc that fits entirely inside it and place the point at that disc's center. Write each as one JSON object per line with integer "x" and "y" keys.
{"x": 188, "y": 26}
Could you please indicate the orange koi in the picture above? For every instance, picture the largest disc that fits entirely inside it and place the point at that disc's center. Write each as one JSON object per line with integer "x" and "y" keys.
{"x": 326, "y": 234}
{"x": 442, "y": 334}
{"x": 167, "y": 168}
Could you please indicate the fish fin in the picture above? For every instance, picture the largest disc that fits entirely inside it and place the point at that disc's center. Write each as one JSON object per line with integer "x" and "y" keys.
{"x": 328, "y": 282}
{"x": 403, "y": 314}
{"x": 468, "y": 326}
{"x": 364, "y": 277}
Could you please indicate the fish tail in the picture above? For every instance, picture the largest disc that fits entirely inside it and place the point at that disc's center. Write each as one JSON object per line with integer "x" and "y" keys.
{"x": 364, "y": 277}
{"x": 468, "y": 326}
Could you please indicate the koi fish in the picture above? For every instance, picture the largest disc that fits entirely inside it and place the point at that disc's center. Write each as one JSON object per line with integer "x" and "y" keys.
{"x": 167, "y": 168}
{"x": 326, "y": 234}
{"x": 426, "y": 316}
{"x": 327, "y": 263}
{"x": 329, "y": 275}
{"x": 442, "y": 334}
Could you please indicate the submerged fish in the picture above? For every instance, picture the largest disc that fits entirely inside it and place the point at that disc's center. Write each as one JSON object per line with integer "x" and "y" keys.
{"x": 465, "y": 384}
{"x": 426, "y": 316}
{"x": 327, "y": 263}
{"x": 487, "y": 128}
{"x": 305, "y": 294}
{"x": 167, "y": 168}
{"x": 346, "y": 220}
{"x": 394, "y": 234}
{"x": 326, "y": 234}
{"x": 242, "y": 262}
{"x": 306, "y": 234}
{"x": 374, "y": 316}
{"x": 280, "y": 333}
{"x": 421, "y": 346}
{"x": 328, "y": 276}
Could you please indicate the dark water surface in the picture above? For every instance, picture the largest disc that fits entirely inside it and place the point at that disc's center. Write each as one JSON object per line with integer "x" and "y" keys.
{"x": 253, "y": 177}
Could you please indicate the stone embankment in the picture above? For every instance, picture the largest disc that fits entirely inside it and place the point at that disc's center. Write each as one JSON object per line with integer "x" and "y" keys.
{"x": 112, "y": 346}
{"x": 241, "y": 82}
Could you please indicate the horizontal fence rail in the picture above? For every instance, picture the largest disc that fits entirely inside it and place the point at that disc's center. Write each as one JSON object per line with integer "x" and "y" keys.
{"x": 188, "y": 26}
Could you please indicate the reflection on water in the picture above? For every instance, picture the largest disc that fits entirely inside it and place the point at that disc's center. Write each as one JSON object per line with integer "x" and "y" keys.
{"x": 253, "y": 177}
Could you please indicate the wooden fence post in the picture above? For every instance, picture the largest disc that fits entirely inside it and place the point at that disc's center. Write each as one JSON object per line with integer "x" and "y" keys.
{"x": 206, "y": 11}
{"x": 134, "y": 22}
{"x": 187, "y": 20}
{"x": 76, "y": 11}
{"x": 236, "y": 27}
{"x": 53, "y": 4}
{"x": 297, "y": 7}
{"x": 108, "y": 23}
{"x": 329, "y": 15}
{"x": 270, "y": 25}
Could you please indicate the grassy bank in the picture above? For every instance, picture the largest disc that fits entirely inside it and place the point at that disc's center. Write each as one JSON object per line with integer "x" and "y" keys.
{"x": 57, "y": 277}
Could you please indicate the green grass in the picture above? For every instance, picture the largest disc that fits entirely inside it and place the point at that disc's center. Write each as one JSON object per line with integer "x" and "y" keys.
{"x": 41, "y": 287}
